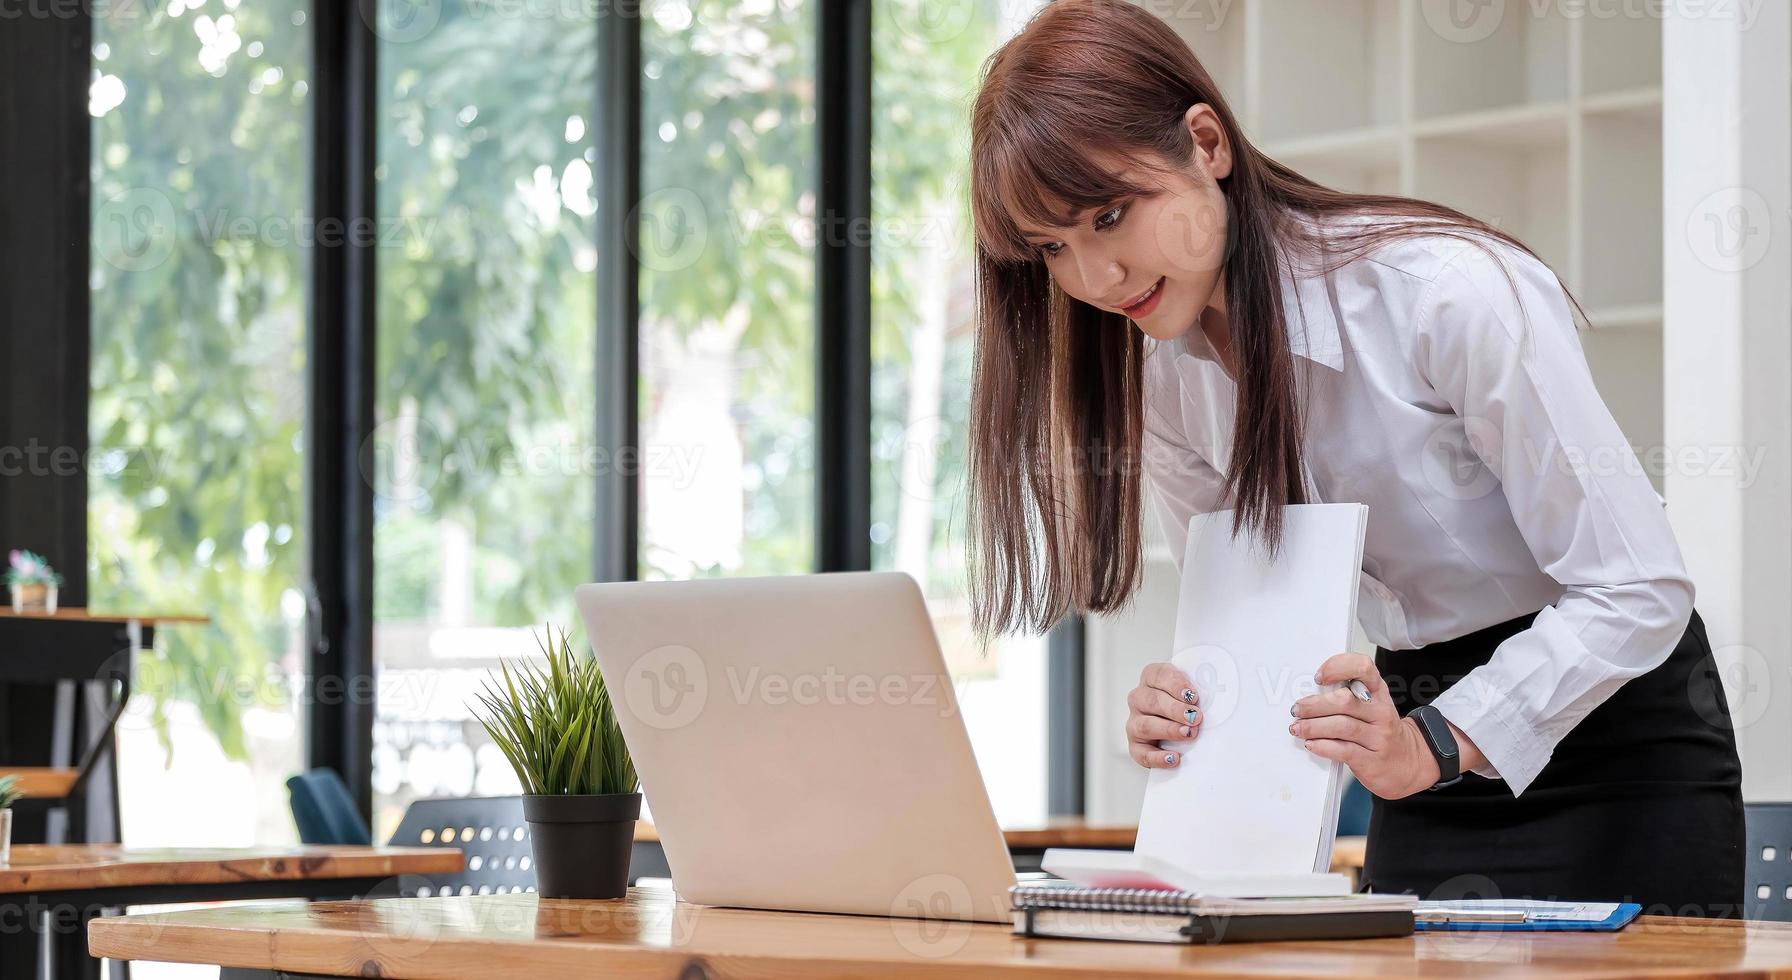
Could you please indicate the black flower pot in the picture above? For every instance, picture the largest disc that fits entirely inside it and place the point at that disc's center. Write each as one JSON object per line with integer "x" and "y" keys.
{"x": 581, "y": 844}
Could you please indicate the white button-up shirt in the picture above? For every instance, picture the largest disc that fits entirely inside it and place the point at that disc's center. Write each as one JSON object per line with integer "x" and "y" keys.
{"x": 1497, "y": 482}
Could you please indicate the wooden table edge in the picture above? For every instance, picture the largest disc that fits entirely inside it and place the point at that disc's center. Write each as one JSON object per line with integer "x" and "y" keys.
{"x": 329, "y": 863}
{"x": 78, "y": 614}
{"x": 258, "y": 946}
{"x": 42, "y": 782}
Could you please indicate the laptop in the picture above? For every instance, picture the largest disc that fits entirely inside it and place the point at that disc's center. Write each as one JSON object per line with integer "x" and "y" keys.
{"x": 799, "y": 741}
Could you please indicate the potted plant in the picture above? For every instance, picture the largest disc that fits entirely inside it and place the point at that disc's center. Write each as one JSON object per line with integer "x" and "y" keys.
{"x": 9, "y": 792}
{"x": 556, "y": 724}
{"x": 33, "y": 582}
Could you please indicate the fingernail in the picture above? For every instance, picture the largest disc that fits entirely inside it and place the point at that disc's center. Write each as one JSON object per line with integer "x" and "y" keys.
{"x": 1186, "y": 731}
{"x": 1170, "y": 759}
{"x": 1191, "y": 714}
{"x": 1306, "y": 744}
{"x": 1188, "y": 695}
{"x": 1292, "y": 729}
{"x": 1294, "y": 709}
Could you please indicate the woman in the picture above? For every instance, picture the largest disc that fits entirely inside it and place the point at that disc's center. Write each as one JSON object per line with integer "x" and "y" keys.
{"x": 1161, "y": 304}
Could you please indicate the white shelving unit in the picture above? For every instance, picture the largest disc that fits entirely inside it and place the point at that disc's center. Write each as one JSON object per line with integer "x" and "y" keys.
{"x": 1543, "y": 123}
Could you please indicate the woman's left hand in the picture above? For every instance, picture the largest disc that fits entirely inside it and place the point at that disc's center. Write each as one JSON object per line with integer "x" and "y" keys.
{"x": 1386, "y": 752}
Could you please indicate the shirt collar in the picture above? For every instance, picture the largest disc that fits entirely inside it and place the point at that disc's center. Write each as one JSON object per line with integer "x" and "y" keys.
{"x": 1312, "y": 324}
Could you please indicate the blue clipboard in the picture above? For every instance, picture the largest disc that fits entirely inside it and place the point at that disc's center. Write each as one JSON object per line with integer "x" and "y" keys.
{"x": 1535, "y": 922}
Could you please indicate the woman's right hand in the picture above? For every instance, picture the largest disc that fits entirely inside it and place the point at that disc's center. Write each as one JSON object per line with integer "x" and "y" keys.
{"x": 1164, "y": 707}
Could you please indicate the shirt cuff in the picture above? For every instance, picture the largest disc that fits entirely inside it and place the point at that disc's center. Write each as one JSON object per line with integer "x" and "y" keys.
{"x": 1485, "y": 714}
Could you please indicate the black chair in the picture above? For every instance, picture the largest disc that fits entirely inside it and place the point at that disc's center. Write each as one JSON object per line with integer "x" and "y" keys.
{"x": 1767, "y": 874}
{"x": 490, "y": 831}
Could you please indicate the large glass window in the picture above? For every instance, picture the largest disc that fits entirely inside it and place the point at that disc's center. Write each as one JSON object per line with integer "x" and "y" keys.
{"x": 727, "y": 252}
{"x": 200, "y": 135}
{"x": 484, "y": 455}
{"x": 926, "y": 59}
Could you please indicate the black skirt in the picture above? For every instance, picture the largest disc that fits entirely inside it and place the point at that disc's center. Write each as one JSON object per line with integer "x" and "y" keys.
{"x": 1640, "y": 802}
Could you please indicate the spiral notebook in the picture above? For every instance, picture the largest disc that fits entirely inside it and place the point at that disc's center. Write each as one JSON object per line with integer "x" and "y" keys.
{"x": 1064, "y": 911}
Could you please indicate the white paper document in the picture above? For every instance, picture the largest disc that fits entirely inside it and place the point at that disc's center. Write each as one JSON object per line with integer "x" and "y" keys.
{"x": 1247, "y": 798}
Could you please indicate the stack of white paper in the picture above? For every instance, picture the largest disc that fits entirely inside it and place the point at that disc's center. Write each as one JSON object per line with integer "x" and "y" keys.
{"x": 1249, "y": 811}
{"x": 1247, "y": 798}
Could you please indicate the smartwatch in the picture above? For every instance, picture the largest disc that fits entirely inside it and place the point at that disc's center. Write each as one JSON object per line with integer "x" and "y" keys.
{"x": 1443, "y": 744}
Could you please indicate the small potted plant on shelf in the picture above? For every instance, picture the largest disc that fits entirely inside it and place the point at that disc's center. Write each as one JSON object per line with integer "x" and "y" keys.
{"x": 555, "y": 722}
{"x": 9, "y": 792}
{"x": 33, "y": 582}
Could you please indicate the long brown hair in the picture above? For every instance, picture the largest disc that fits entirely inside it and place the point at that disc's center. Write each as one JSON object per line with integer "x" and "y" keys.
{"x": 1057, "y": 408}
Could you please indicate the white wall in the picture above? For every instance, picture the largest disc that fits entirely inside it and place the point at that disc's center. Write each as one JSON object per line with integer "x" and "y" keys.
{"x": 1727, "y": 347}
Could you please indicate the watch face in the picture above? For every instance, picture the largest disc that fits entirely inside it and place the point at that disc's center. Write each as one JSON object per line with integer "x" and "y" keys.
{"x": 1437, "y": 732}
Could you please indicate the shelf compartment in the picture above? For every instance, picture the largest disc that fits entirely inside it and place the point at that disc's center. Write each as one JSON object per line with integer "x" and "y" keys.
{"x": 1621, "y": 208}
{"x": 1620, "y": 49}
{"x": 1499, "y": 55}
{"x": 1364, "y": 161}
{"x": 1627, "y": 369}
{"x": 1509, "y": 172}
{"x": 1351, "y": 48}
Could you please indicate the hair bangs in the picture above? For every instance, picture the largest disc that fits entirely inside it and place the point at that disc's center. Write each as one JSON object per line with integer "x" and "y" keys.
{"x": 1036, "y": 171}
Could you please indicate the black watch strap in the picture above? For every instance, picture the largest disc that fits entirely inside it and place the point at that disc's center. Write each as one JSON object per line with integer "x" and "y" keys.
{"x": 1443, "y": 744}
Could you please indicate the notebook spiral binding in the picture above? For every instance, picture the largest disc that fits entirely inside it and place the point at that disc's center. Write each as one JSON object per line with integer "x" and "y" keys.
{"x": 1103, "y": 899}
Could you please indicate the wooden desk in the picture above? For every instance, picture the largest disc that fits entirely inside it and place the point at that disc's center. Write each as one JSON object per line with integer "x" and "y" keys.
{"x": 63, "y": 650}
{"x": 648, "y": 934}
{"x": 81, "y": 614}
{"x": 51, "y": 784}
{"x": 64, "y": 886}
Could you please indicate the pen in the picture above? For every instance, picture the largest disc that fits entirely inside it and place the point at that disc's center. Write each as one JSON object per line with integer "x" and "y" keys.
{"x": 1359, "y": 689}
